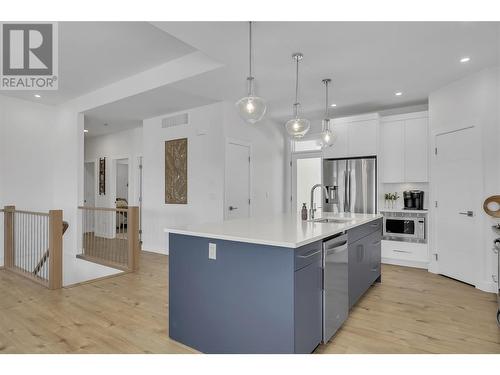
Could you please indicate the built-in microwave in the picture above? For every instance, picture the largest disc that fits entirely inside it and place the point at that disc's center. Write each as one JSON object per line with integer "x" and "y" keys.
{"x": 402, "y": 226}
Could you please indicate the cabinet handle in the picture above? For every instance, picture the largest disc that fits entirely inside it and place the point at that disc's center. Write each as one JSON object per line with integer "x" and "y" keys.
{"x": 374, "y": 225}
{"x": 309, "y": 255}
{"x": 337, "y": 244}
{"x": 402, "y": 251}
{"x": 376, "y": 243}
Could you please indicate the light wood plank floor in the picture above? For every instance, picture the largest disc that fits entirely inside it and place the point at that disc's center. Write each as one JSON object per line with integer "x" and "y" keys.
{"x": 412, "y": 311}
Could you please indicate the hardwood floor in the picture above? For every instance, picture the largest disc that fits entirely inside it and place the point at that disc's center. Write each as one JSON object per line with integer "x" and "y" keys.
{"x": 412, "y": 311}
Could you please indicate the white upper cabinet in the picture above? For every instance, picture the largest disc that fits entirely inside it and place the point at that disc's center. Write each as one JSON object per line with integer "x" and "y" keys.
{"x": 355, "y": 136}
{"x": 404, "y": 147}
{"x": 416, "y": 149}
{"x": 363, "y": 138}
{"x": 392, "y": 151}
{"x": 339, "y": 147}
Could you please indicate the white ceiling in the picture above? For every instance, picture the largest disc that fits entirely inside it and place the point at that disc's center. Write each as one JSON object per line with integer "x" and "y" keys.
{"x": 367, "y": 61}
{"x": 95, "y": 54}
{"x": 129, "y": 113}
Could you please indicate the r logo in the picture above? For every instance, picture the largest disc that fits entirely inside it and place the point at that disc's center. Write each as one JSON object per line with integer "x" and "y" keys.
{"x": 27, "y": 49}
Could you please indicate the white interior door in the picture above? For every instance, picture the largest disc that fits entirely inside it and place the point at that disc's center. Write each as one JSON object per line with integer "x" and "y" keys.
{"x": 237, "y": 195}
{"x": 458, "y": 187}
{"x": 89, "y": 184}
{"x": 307, "y": 171}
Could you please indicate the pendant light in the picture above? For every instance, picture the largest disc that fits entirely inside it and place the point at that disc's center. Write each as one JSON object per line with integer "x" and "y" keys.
{"x": 251, "y": 108}
{"x": 326, "y": 136}
{"x": 297, "y": 127}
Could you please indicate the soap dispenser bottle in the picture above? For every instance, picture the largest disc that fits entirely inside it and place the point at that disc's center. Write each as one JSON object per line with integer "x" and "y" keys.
{"x": 304, "y": 211}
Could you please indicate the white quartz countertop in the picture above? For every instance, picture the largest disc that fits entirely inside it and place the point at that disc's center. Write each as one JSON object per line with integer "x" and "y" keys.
{"x": 286, "y": 230}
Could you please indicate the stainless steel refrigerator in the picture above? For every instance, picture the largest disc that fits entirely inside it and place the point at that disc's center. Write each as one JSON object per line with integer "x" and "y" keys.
{"x": 351, "y": 185}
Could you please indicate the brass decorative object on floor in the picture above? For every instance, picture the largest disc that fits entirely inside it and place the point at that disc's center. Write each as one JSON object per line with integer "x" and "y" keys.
{"x": 176, "y": 171}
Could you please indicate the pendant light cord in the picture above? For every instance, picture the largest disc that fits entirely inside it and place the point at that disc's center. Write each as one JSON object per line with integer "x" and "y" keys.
{"x": 326, "y": 102}
{"x": 297, "y": 82}
{"x": 250, "y": 48}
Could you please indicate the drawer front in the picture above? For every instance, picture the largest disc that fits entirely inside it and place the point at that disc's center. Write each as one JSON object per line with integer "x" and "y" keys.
{"x": 405, "y": 251}
{"x": 308, "y": 254}
{"x": 364, "y": 230}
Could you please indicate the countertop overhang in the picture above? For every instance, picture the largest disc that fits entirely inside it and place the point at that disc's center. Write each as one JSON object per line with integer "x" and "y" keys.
{"x": 286, "y": 230}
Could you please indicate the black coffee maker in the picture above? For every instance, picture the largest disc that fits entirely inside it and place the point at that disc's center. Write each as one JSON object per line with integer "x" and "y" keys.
{"x": 413, "y": 199}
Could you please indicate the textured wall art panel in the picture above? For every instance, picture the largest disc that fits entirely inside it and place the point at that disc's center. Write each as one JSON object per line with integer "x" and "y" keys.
{"x": 176, "y": 171}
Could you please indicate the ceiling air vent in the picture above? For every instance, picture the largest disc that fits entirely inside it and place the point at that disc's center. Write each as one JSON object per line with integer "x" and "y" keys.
{"x": 168, "y": 122}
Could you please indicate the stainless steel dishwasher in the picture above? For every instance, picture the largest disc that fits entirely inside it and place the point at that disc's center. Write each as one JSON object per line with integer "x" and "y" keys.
{"x": 335, "y": 287}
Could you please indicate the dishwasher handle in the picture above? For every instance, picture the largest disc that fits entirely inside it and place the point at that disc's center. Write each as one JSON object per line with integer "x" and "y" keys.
{"x": 336, "y": 249}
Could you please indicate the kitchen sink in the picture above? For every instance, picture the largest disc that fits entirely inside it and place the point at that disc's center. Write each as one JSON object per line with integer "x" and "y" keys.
{"x": 332, "y": 221}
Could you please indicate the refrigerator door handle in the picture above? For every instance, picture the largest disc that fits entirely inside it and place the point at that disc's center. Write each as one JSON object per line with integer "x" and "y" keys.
{"x": 348, "y": 188}
{"x": 346, "y": 193}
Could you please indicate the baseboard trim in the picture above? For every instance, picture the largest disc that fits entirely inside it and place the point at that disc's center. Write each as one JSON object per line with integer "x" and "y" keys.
{"x": 95, "y": 280}
{"x": 102, "y": 262}
{"x": 405, "y": 263}
{"x": 487, "y": 286}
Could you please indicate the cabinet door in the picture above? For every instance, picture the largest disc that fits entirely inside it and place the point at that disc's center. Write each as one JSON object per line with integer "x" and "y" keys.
{"x": 375, "y": 246}
{"x": 308, "y": 305}
{"x": 339, "y": 147}
{"x": 359, "y": 267}
{"x": 362, "y": 138}
{"x": 392, "y": 151}
{"x": 416, "y": 140}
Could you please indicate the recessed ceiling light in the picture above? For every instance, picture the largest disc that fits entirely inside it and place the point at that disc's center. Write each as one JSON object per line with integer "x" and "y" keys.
{"x": 85, "y": 130}
{"x": 398, "y": 93}
{"x": 37, "y": 96}
{"x": 465, "y": 59}
{"x": 333, "y": 105}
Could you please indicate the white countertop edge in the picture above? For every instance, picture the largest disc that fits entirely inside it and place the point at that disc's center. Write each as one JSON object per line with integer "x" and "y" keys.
{"x": 404, "y": 211}
{"x": 291, "y": 245}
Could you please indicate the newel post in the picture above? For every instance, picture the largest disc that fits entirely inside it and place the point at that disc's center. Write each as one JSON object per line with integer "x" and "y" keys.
{"x": 8, "y": 236}
{"x": 133, "y": 238}
{"x": 55, "y": 248}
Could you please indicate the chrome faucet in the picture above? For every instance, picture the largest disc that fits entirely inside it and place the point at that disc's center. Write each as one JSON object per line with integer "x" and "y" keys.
{"x": 312, "y": 209}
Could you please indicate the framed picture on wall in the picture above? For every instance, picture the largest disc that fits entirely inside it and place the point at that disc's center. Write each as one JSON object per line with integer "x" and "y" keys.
{"x": 176, "y": 171}
{"x": 102, "y": 176}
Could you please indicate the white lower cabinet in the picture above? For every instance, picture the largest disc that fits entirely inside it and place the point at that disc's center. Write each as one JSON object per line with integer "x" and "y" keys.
{"x": 405, "y": 253}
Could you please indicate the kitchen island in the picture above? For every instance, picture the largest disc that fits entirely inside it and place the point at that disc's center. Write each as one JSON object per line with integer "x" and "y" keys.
{"x": 256, "y": 285}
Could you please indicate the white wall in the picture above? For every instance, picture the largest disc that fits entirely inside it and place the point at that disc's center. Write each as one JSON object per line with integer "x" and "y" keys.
{"x": 122, "y": 145}
{"x": 208, "y": 129}
{"x": 40, "y": 147}
{"x": 474, "y": 100}
{"x": 205, "y": 174}
{"x": 268, "y": 160}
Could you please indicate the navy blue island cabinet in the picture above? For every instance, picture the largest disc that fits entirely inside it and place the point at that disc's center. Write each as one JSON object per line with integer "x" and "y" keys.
{"x": 251, "y": 298}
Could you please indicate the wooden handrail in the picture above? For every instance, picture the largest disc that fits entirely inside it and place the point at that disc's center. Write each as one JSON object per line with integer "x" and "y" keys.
{"x": 103, "y": 209}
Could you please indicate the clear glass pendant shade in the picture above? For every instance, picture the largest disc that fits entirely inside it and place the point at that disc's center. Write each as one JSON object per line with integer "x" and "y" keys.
{"x": 327, "y": 137}
{"x": 251, "y": 108}
{"x": 297, "y": 127}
